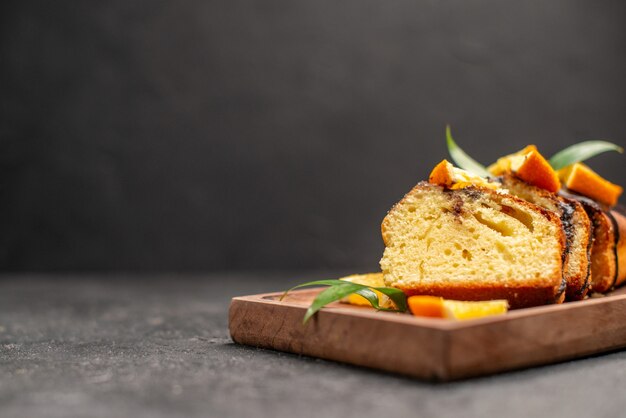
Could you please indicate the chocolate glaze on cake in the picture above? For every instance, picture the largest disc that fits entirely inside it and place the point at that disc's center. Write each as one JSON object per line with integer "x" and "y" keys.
{"x": 593, "y": 208}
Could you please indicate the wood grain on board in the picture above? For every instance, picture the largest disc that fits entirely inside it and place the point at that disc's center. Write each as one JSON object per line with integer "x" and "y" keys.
{"x": 430, "y": 348}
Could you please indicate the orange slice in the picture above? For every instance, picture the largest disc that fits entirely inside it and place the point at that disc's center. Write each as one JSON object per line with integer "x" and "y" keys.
{"x": 437, "y": 307}
{"x": 530, "y": 166}
{"x": 534, "y": 169}
{"x": 431, "y": 306}
{"x": 503, "y": 165}
{"x": 446, "y": 175}
{"x": 441, "y": 174}
{"x": 469, "y": 310}
{"x": 581, "y": 179}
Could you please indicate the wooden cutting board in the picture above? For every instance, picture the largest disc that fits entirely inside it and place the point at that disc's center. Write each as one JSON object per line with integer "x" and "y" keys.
{"x": 430, "y": 348}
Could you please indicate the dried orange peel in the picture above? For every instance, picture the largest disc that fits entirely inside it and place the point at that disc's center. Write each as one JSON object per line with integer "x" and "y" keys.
{"x": 437, "y": 307}
{"x": 530, "y": 166}
{"x": 581, "y": 179}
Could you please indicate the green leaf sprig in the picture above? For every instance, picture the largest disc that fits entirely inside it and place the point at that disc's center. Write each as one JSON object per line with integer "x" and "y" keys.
{"x": 570, "y": 155}
{"x": 461, "y": 159}
{"x": 581, "y": 152}
{"x": 339, "y": 289}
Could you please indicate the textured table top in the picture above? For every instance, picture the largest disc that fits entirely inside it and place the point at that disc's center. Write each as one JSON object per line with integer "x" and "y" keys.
{"x": 158, "y": 346}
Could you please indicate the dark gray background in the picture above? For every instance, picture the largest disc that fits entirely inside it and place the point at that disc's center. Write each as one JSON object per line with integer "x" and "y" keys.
{"x": 213, "y": 135}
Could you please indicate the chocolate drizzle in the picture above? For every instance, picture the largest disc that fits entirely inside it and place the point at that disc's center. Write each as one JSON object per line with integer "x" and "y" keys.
{"x": 589, "y": 247}
{"x": 616, "y": 235}
{"x": 567, "y": 212}
{"x": 585, "y": 201}
{"x": 591, "y": 207}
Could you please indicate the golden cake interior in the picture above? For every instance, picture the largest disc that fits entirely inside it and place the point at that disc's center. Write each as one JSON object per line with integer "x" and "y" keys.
{"x": 470, "y": 237}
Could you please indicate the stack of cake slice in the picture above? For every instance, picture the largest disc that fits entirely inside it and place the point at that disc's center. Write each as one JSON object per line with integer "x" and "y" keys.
{"x": 515, "y": 236}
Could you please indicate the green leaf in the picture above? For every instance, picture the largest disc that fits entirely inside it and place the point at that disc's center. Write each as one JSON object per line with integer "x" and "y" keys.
{"x": 461, "y": 159}
{"x": 397, "y": 296}
{"x": 332, "y": 282}
{"x": 581, "y": 152}
{"x": 332, "y": 294}
{"x": 371, "y": 297}
{"x": 340, "y": 288}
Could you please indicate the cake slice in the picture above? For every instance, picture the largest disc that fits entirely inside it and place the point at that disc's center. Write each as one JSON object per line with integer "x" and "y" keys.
{"x": 608, "y": 250}
{"x": 577, "y": 228}
{"x": 473, "y": 243}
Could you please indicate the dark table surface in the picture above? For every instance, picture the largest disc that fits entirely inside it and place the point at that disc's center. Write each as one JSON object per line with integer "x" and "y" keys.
{"x": 158, "y": 346}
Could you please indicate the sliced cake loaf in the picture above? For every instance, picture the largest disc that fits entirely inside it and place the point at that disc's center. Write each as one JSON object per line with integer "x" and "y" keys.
{"x": 577, "y": 228}
{"x": 608, "y": 250}
{"x": 473, "y": 243}
{"x": 603, "y": 256}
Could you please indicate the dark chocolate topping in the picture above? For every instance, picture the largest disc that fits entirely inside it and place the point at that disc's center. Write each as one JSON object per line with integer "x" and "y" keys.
{"x": 616, "y": 235}
{"x": 567, "y": 211}
{"x": 592, "y": 206}
{"x": 585, "y": 201}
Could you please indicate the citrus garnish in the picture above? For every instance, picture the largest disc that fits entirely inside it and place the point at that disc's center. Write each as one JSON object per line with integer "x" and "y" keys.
{"x": 530, "y": 166}
{"x": 581, "y": 179}
{"x": 437, "y": 307}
